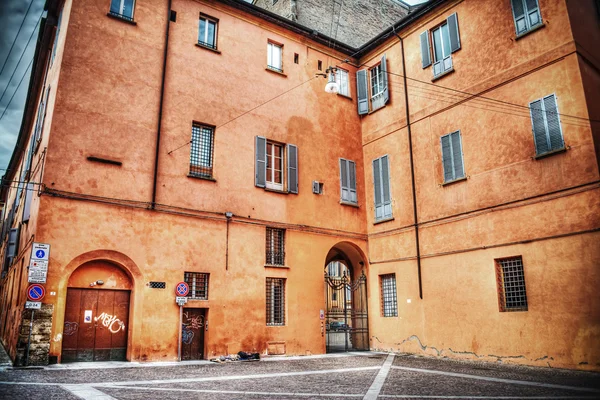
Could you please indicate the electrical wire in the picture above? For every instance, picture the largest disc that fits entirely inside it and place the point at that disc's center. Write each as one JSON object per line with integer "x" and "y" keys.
{"x": 16, "y": 90}
{"x": 15, "y": 40}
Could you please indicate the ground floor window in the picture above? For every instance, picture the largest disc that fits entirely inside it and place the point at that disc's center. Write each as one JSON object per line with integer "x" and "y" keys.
{"x": 275, "y": 301}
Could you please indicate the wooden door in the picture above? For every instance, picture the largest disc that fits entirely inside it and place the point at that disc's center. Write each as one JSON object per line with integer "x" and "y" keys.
{"x": 96, "y": 323}
{"x": 192, "y": 333}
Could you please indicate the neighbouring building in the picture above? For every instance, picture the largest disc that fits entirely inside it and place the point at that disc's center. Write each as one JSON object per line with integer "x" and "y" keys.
{"x": 445, "y": 202}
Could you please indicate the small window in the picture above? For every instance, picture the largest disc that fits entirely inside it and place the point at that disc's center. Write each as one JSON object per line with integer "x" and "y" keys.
{"x": 547, "y": 131}
{"x": 275, "y": 301}
{"x": 452, "y": 157}
{"x": 341, "y": 76}
{"x": 274, "y": 56}
{"x": 320, "y": 65}
{"x": 276, "y": 166}
{"x": 348, "y": 181}
{"x": 381, "y": 186}
{"x": 526, "y": 14}
{"x": 510, "y": 277}
{"x": 376, "y": 80}
{"x": 376, "y": 74}
{"x": 122, "y": 9}
{"x": 296, "y": 58}
{"x": 389, "y": 302}
{"x": 201, "y": 151}
{"x": 441, "y": 42}
{"x": 198, "y": 283}
{"x": 275, "y": 246}
{"x": 207, "y": 32}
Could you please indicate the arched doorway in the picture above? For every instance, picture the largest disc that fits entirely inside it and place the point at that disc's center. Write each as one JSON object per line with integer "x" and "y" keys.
{"x": 346, "y": 317}
{"x": 97, "y": 313}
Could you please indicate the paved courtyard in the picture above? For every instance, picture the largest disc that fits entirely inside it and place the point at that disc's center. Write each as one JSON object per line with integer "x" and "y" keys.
{"x": 344, "y": 376}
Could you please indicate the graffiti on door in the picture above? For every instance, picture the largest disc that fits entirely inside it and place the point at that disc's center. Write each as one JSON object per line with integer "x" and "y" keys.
{"x": 70, "y": 328}
{"x": 113, "y": 323}
{"x": 190, "y": 323}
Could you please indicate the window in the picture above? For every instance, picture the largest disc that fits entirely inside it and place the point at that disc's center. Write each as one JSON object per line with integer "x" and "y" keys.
{"x": 452, "y": 157}
{"x": 378, "y": 84}
{"x": 389, "y": 302}
{"x": 56, "y": 35}
{"x": 320, "y": 65}
{"x": 41, "y": 116}
{"x": 198, "y": 283}
{"x": 201, "y": 151}
{"x": 275, "y": 301}
{"x": 511, "y": 284}
{"x": 207, "y": 32}
{"x": 446, "y": 40}
{"x": 381, "y": 185}
{"x": 275, "y": 246}
{"x": 547, "y": 132}
{"x": 276, "y": 162}
{"x": 296, "y": 58}
{"x": 341, "y": 76}
{"x": 348, "y": 181}
{"x": 526, "y": 14}
{"x": 274, "y": 56}
{"x": 122, "y": 9}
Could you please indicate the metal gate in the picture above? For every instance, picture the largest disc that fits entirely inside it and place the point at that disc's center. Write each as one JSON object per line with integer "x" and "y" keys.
{"x": 192, "y": 333}
{"x": 346, "y": 321}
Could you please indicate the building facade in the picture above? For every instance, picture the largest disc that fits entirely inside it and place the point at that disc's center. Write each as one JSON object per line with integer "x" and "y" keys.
{"x": 444, "y": 202}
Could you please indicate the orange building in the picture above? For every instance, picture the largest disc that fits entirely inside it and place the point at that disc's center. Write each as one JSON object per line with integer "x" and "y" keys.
{"x": 455, "y": 177}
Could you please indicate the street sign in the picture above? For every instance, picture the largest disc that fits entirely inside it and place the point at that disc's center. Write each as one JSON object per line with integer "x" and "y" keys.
{"x": 33, "y": 305}
{"x": 40, "y": 251}
{"x": 182, "y": 289}
{"x": 36, "y": 292}
{"x": 181, "y": 300}
{"x": 38, "y": 271}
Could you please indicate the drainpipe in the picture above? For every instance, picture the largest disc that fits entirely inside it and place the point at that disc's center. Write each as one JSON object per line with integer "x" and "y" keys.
{"x": 160, "y": 107}
{"x": 412, "y": 168}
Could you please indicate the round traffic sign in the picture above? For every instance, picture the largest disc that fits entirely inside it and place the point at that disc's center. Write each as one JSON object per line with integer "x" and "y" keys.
{"x": 182, "y": 289}
{"x": 36, "y": 292}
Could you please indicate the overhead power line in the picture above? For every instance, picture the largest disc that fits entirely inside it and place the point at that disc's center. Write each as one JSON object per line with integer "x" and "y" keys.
{"x": 16, "y": 90}
{"x": 17, "y": 35}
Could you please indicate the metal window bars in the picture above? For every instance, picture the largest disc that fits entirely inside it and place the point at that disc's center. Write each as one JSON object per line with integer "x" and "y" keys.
{"x": 198, "y": 283}
{"x": 512, "y": 295}
{"x": 275, "y": 246}
{"x": 121, "y": 16}
{"x": 389, "y": 301}
{"x": 275, "y": 303}
{"x": 201, "y": 153}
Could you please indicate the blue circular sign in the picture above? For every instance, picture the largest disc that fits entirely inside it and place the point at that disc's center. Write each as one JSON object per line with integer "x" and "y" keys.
{"x": 40, "y": 253}
{"x": 182, "y": 289}
{"x": 36, "y": 292}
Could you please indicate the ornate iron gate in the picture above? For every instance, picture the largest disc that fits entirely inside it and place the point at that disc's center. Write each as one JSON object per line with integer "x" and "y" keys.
{"x": 346, "y": 321}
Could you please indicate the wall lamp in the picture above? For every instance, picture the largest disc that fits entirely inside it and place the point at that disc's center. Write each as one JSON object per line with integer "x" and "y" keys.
{"x": 332, "y": 86}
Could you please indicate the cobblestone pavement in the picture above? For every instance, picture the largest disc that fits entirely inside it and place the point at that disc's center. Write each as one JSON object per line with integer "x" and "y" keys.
{"x": 349, "y": 376}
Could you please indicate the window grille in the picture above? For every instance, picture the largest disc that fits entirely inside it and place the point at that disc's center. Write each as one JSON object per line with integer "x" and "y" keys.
{"x": 389, "y": 302}
{"x": 275, "y": 246}
{"x": 157, "y": 285}
{"x": 275, "y": 301}
{"x": 511, "y": 284}
{"x": 201, "y": 153}
{"x": 198, "y": 283}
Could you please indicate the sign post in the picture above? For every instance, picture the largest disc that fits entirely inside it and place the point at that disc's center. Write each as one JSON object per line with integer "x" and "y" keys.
{"x": 35, "y": 293}
{"x": 38, "y": 265}
{"x": 181, "y": 291}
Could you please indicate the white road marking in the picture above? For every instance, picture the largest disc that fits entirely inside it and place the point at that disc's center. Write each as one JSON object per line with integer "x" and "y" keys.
{"x": 86, "y": 392}
{"x": 377, "y": 384}
{"x": 410, "y": 396}
{"x": 499, "y": 380}
{"x": 278, "y": 394}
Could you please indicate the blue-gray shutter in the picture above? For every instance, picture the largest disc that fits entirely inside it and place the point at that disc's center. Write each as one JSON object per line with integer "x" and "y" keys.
{"x": 533, "y": 13}
{"x": 344, "y": 189}
{"x": 29, "y": 192}
{"x": 447, "y": 158}
{"x": 362, "y": 93}
{"x": 377, "y": 188}
{"x": 260, "y": 177}
{"x": 13, "y": 243}
{"x": 352, "y": 181}
{"x": 384, "y": 79}
{"x": 457, "y": 155}
{"x": 519, "y": 16}
{"x": 453, "y": 31}
{"x": 539, "y": 127}
{"x": 292, "y": 156}
{"x": 425, "y": 52}
{"x": 553, "y": 123}
{"x": 385, "y": 187}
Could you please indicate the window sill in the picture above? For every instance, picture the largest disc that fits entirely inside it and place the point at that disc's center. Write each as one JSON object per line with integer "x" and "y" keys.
{"x": 550, "y": 153}
{"x": 275, "y": 71}
{"x": 196, "y": 299}
{"x": 440, "y": 76}
{"x": 208, "y": 48}
{"x": 277, "y": 266}
{"x": 345, "y": 96}
{"x": 375, "y": 110}
{"x": 275, "y": 325}
{"x": 464, "y": 178}
{"x": 204, "y": 178}
{"x": 275, "y": 191}
{"x": 381, "y": 221}
{"x": 349, "y": 203}
{"x": 121, "y": 18}
{"x": 535, "y": 28}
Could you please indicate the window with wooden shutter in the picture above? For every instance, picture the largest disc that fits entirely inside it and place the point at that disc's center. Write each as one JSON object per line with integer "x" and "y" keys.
{"x": 260, "y": 173}
{"x": 348, "y": 181}
{"x": 29, "y": 193}
{"x": 545, "y": 121}
{"x": 445, "y": 40}
{"x": 381, "y": 185}
{"x": 276, "y": 165}
{"x": 362, "y": 92}
{"x": 526, "y": 14}
{"x": 425, "y": 49}
{"x": 379, "y": 85}
{"x": 452, "y": 157}
{"x": 13, "y": 244}
{"x": 292, "y": 163}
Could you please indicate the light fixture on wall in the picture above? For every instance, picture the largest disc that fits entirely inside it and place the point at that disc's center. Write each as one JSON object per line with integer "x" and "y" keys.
{"x": 332, "y": 86}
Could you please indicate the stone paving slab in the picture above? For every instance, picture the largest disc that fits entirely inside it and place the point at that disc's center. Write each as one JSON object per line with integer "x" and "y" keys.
{"x": 35, "y": 392}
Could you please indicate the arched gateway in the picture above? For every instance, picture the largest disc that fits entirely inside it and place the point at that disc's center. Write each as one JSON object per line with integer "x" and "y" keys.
{"x": 346, "y": 317}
